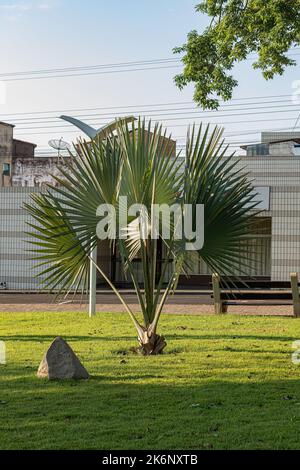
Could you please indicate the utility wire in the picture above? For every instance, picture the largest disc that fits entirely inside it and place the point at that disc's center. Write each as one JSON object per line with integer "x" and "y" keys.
{"x": 72, "y": 75}
{"x": 84, "y": 70}
{"x": 89, "y": 67}
{"x": 296, "y": 122}
{"x": 186, "y": 125}
{"x": 174, "y": 111}
{"x": 109, "y": 65}
{"x": 140, "y": 105}
{"x": 166, "y": 118}
{"x": 226, "y": 134}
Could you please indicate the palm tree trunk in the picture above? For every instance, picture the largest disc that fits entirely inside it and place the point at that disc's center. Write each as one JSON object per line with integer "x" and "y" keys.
{"x": 151, "y": 343}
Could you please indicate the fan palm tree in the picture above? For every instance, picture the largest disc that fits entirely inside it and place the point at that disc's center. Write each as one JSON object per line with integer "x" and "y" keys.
{"x": 140, "y": 164}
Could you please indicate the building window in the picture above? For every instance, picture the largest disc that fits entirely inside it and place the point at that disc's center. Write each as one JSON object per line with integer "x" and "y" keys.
{"x": 256, "y": 245}
{"x": 6, "y": 169}
{"x": 297, "y": 149}
{"x": 258, "y": 150}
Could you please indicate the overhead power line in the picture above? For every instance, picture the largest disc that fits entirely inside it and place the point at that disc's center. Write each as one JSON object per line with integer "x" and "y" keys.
{"x": 227, "y": 136}
{"x": 89, "y": 67}
{"x": 100, "y": 66}
{"x": 167, "y": 113}
{"x": 100, "y": 69}
{"x": 45, "y": 151}
{"x": 189, "y": 117}
{"x": 73, "y": 110}
{"x": 91, "y": 73}
{"x": 75, "y": 132}
{"x": 175, "y": 110}
{"x": 241, "y": 107}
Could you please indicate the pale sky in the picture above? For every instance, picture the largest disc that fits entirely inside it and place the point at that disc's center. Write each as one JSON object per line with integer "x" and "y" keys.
{"x": 46, "y": 34}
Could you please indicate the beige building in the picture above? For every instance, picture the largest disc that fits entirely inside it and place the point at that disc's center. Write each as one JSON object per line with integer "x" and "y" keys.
{"x": 19, "y": 167}
{"x": 274, "y": 168}
{"x": 28, "y": 174}
{"x": 11, "y": 151}
{"x": 273, "y": 165}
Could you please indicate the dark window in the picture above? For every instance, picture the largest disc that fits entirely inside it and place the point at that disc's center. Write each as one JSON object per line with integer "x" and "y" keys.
{"x": 258, "y": 149}
{"x": 6, "y": 169}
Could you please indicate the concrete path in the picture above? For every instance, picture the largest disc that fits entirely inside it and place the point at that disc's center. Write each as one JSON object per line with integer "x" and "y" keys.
{"x": 184, "y": 302}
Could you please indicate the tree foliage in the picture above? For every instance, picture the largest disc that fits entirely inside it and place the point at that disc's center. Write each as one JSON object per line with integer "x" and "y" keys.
{"x": 237, "y": 28}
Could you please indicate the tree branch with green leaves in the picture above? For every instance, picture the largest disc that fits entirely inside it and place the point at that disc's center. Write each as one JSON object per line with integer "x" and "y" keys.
{"x": 237, "y": 28}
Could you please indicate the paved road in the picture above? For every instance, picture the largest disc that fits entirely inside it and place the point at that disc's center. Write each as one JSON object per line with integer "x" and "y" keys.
{"x": 184, "y": 302}
{"x": 108, "y": 298}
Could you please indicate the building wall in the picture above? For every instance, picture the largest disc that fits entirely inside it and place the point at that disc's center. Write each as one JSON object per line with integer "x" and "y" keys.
{"x": 282, "y": 148}
{"x": 282, "y": 175}
{"x": 23, "y": 149}
{"x": 6, "y": 139}
{"x": 16, "y": 267}
{"x": 34, "y": 172}
{"x": 271, "y": 136}
{"x": 285, "y": 231}
{"x": 9, "y": 149}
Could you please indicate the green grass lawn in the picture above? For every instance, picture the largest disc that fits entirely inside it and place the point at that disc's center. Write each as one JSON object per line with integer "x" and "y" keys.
{"x": 223, "y": 383}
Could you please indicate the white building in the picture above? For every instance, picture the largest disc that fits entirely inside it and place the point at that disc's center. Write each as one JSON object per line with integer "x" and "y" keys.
{"x": 274, "y": 166}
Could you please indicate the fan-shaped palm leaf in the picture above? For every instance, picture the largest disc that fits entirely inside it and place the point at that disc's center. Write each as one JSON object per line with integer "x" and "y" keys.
{"x": 139, "y": 163}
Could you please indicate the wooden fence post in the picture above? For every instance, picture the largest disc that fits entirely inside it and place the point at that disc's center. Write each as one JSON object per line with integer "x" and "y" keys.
{"x": 295, "y": 294}
{"x": 217, "y": 294}
{"x": 93, "y": 282}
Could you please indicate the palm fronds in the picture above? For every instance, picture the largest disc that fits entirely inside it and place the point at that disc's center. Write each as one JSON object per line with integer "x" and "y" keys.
{"x": 138, "y": 166}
